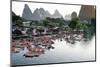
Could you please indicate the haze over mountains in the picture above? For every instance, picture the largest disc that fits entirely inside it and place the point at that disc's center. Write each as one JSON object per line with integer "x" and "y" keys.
{"x": 27, "y": 14}
{"x": 85, "y": 13}
{"x": 38, "y": 14}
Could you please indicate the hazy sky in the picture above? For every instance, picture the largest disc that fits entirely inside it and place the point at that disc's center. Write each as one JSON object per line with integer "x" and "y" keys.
{"x": 18, "y": 7}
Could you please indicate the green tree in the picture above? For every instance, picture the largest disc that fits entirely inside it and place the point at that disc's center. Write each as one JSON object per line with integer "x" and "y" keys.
{"x": 74, "y": 23}
{"x": 19, "y": 23}
{"x": 46, "y": 23}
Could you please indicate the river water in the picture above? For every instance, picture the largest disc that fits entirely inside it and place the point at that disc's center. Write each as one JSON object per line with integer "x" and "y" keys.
{"x": 63, "y": 52}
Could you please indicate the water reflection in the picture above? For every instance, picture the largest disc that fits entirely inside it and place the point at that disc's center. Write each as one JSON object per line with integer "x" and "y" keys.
{"x": 38, "y": 45}
{"x": 61, "y": 50}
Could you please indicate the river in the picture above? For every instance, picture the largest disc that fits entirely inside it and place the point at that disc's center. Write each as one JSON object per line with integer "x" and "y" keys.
{"x": 63, "y": 52}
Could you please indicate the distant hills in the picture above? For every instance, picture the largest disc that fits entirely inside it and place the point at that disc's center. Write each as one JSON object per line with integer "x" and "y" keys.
{"x": 38, "y": 14}
{"x": 85, "y": 13}
{"x": 27, "y": 13}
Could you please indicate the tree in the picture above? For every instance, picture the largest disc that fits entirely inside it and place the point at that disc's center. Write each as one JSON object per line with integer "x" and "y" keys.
{"x": 46, "y": 23}
{"x": 74, "y": 23}
{"x": 17, "y": 20}
{"x": 78, "y": 25}
{"x": 19, "y": 23}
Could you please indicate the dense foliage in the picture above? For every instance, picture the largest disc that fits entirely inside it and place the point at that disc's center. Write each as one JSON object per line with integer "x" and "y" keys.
{"x": 74, "y": 24}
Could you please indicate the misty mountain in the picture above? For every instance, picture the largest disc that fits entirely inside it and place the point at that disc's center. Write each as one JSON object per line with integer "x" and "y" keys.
{"x": 38, "y": 14}
{"x": 56, "y": 14}
{"x": 48, "y": 14}
{"x": 27, "y": 14}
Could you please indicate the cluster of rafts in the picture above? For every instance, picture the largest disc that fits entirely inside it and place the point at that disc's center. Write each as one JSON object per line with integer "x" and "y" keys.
{"x": 39, "y": 45}
{"x": 34, "y": 47}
